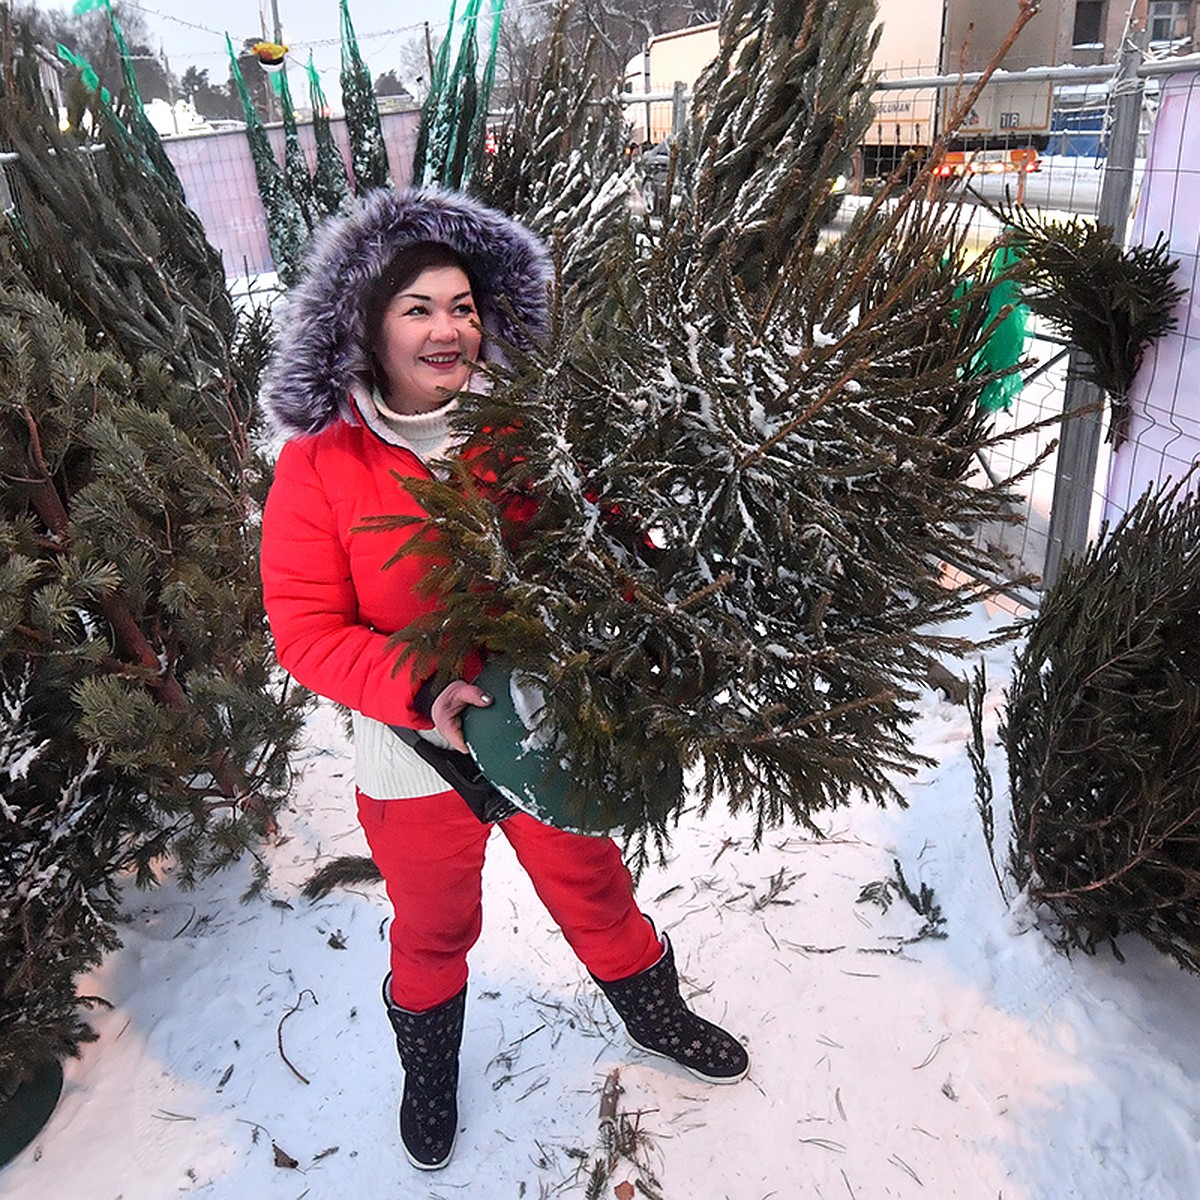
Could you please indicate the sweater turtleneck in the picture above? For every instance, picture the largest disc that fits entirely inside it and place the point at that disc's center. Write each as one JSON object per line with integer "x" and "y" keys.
{"x": 386, "y": 768}
{"x": 426, "y": 434}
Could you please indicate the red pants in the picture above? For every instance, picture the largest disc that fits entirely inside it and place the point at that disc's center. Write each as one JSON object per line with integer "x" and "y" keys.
{"x": 430, "y": 851}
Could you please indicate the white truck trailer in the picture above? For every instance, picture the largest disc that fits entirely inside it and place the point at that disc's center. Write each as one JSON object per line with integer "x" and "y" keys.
{"x": 669, "y": 59}
{"x": 1004, "y": 130}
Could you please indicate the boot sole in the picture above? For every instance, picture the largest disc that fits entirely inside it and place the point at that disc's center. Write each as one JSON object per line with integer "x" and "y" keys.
{"x": 717, "y": 1079}
{"x": 421, "y": 1166}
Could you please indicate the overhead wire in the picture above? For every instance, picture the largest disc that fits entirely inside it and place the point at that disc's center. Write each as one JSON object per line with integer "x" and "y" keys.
{"x": 316, "y": 43}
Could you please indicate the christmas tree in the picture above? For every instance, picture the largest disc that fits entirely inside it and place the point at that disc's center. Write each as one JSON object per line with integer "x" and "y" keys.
{"x": 141, "y": 718}
{"x": 751, "y": 460}
{"x": 431, "y": 132}
{"x": 136, "y": 123}
{"x": 559, "y": 166}
{"x": 1100, "y": 736}
{"x": 453, "y": 130}
{"x": 288, "y": 225}
{"x": 1108, "y": 300}
{"x": 782, "y": 108}
{"x": 367, "y": 152}
{"x": 295, "y": 164}
{"x": 331, "y": 187}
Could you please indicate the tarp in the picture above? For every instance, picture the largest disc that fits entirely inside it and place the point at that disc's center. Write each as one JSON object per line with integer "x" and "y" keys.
{"x": 1164, "y": 425}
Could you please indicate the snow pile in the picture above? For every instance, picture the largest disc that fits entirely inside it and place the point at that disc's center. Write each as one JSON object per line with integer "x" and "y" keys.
{"x": 246, "y": 1052}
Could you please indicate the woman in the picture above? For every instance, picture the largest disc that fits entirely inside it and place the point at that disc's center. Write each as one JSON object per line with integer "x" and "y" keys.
{"x": 399, "y": 301}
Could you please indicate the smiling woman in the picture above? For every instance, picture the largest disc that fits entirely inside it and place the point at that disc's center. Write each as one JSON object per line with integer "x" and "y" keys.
{"x": 400, "y": 300}
{"x": 423, "y": 328}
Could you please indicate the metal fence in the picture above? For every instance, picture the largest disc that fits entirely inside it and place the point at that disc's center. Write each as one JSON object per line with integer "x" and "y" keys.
{"x": 1106, "y": 158}
{"x": 217, "y": 173}
{"x": 1163, "y": 441}
{"x": 1104, "y": 154}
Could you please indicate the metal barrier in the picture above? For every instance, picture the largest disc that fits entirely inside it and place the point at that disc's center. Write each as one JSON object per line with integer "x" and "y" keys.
{"x": 217, "y": 173}
{"x": 1108, "y": 112}
{"x": 1092, "y": 166}
{"x": 1162, "y": 441}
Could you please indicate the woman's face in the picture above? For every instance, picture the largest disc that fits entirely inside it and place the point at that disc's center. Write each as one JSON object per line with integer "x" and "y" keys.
{"x": 428, "y": 340}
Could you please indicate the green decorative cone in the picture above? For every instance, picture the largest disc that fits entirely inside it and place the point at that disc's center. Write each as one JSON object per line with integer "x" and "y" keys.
{"x": 514, "y": 757}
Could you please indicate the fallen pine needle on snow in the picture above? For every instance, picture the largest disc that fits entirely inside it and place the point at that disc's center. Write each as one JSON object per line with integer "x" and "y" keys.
{"x": 932, "y": 1053}
{"x": 897, "y": 1161}
{"x": 824, "y": 1143}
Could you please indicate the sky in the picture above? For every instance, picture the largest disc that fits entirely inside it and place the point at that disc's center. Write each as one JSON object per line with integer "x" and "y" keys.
{"x": 193, "y": 34}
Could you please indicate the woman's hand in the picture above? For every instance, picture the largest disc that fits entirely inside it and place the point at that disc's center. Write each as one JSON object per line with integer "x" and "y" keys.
{"x": 448, "y": 706}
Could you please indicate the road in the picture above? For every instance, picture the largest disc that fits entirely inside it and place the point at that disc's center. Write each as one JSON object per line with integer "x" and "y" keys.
{"x": 1063, "y": 185}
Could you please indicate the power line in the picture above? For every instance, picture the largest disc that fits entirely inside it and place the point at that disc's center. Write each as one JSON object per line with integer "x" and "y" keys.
{"x": 331, "y": 41}
{"x": 296, "y": 44}
{"x": 316, "y": 43}
{"x": 414, "y": 27}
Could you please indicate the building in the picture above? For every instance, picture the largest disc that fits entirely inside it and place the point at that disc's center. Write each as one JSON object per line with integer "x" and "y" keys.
{"x": 1098, "y": 26}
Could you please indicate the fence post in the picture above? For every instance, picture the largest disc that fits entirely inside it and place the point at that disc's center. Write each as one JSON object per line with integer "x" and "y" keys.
{"x": 678, "y": 109}
{"x": 648, "y": 139}
{"x": 1083, "y": 402}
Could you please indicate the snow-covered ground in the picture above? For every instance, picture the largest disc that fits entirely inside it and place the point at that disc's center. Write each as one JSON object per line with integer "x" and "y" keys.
{"x": 246, "y": 1054}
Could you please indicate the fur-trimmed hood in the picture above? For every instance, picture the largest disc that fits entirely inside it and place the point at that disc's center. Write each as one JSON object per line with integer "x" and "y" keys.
{"x": 319, "y": 352}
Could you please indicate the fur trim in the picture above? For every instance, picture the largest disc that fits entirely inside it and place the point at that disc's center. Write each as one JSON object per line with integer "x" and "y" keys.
{"x": 319, "y": 352}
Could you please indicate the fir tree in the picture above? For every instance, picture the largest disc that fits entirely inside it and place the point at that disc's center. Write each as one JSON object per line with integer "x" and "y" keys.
{"x": 478, "y": 132}
{"x": 287, "y": 226}
{"x": 331, "y": 187}
{"x": 1110, "y": 301}
{"x": 432, "y": 134}
{"x": 135, "y": 113}
{"x": 781, "y": 111}
{"x": 139, "y": 138}
{"x": 136, "y": 124}
{"x": 463, "y": 104}
{"x": 450, "y": 141}
{"x": 748, "y": 477}
{"x": 368, "y": 155}
{"x": 141, "y": 716}
{"x": 295, "y": 165}
{"x": 559, "y": 166}
{"x": 1100, "y": 736}
{"x": 60, "y": 855}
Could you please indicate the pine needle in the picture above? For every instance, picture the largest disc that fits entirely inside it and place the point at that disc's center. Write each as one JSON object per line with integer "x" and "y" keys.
{"x": 347, "y": 871}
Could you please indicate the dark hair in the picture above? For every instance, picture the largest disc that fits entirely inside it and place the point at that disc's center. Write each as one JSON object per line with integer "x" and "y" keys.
{"x": 404, "y": 267}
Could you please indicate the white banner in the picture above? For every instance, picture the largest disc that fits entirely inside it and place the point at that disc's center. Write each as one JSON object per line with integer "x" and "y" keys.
{"x": 1164, "y": 425}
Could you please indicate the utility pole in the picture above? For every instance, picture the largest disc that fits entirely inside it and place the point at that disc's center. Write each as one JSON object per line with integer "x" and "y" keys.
{"x": 273, "y": 109}
{"x": 172, "y": 95}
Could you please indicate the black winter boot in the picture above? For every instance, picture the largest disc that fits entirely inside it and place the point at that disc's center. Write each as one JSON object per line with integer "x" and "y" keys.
{"x": 657, "y": 1020}
{"x": 428, "y": 1043}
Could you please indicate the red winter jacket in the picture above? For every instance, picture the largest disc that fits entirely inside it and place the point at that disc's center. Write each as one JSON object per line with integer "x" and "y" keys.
{"x": 331, "y": 603}
{"x": 329, "y": 599}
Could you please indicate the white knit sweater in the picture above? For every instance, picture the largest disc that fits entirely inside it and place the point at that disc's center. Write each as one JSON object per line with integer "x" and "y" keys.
{"x": 384, "y": 767}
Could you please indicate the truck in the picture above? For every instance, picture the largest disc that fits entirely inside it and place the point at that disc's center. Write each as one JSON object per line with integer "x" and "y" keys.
{"x": 1005, "y": 129}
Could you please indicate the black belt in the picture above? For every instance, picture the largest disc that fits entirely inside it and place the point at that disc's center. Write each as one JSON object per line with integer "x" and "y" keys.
{"x": 462, "y": 773}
